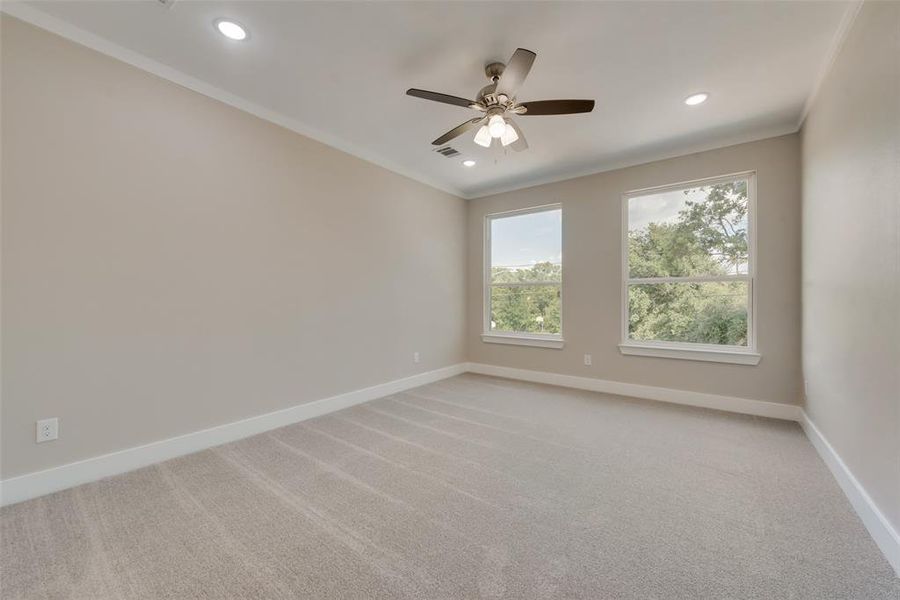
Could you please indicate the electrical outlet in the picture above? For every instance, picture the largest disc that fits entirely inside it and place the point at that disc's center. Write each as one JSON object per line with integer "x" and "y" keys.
{"x": 587, "y": 360}
{"x": 415, "y": 357}
{"x": 47, "y": 430}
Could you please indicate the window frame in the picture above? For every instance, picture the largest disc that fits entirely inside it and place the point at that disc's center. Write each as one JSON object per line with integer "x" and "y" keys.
{"x": 745, "y": 355}
{"x": 539, "y": 340}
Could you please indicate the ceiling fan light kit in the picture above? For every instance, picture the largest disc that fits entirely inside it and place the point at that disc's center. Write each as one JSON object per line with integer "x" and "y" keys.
{"x": 496, "y": 126}
{"x": 509, "y": 136}
{"x": 483, "y": 137}
{"x": 497, "y": 101}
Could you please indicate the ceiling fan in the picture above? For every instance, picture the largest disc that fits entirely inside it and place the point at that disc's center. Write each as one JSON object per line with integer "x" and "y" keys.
{"x": 497, "y": 101}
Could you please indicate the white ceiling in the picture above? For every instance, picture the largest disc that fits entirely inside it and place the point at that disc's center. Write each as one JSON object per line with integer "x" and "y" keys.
{"x": 337, "y": 71}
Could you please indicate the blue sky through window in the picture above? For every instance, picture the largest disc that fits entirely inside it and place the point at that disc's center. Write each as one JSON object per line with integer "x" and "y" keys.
{"x": 521, "y": 241}
{"x": 664, "y": 207}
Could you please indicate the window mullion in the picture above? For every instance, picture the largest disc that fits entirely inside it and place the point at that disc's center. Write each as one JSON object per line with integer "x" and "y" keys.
{"x": 719, "y": 301}
{"x": 521, "y": 312}
{"x": 525, "y": 284}
{"x": 688, "y": 279}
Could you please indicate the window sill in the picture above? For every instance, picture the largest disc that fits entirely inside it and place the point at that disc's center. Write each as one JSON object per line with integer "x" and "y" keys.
{"x": 736, "y": 357}
{"x": 523, "y": 340}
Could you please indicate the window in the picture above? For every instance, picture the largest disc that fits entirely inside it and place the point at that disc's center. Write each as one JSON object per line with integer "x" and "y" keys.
{"x": 688, "y": 276}
{"x": 523, "y": 277}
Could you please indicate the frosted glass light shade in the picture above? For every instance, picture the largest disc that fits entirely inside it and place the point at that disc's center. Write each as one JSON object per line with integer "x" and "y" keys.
{"x": 483, "y": 137}
{"x": 509, "y": 136}
{"x": 496, "y": 126}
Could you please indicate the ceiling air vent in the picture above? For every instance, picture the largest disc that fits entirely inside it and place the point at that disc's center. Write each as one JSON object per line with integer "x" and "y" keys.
{"x": 447, "y": 151}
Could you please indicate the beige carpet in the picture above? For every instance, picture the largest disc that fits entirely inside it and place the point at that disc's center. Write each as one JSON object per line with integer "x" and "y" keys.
{"x": 473, "y": 487}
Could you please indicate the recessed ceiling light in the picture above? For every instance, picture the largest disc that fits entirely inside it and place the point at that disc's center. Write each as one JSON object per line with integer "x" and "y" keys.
{"x": 469, "y": 163}
{"x": 696, "y": 99}
{"x": 231, "y": 30}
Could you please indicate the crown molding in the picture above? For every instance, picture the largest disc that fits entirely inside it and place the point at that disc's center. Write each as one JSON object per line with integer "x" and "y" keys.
{"x": 47, "y": 22}
{"x": 642, "y": 159}
{"x": 837, "y": 43}
{"x": 38, "y": 18}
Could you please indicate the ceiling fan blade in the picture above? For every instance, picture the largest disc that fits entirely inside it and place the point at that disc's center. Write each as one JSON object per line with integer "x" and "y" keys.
{"x": 438, "y": 97}
{"x": 520, "y": 144}
{"x": 558, "y": 107}
{"x": 515, "y": 72}
{"x": 458, "y": 130}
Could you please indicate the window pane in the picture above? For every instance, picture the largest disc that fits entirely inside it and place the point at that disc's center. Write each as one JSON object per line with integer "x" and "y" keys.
{"x": 525, "y": 309}
{"x": 693, "y": 231}
{"x": 701, "y": 313}
{"x": 527, "y": 248}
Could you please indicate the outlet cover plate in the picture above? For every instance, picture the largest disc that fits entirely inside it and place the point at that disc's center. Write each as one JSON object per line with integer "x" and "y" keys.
{"x": 47, "y": 430}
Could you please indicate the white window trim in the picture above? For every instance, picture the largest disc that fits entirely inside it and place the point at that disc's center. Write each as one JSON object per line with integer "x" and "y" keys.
{"x": 708, "y": 354}
{"x": 741, "y": 355}
{"x": 538, "y": 340}
{"x": 521, "y": 339}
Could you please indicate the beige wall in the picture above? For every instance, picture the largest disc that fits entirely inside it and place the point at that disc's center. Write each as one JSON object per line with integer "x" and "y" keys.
{"x": 851, "y": 255}
{"x": 592, "y": 270}
{"x": 171, "y": 263}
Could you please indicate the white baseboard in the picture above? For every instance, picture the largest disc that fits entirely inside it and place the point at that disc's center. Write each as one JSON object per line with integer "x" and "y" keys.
{"x": 760, "y": 408}
{"x": 32, "y": 485}
{"x": 36, "y": 484}
{"x": 887, "y": 538}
